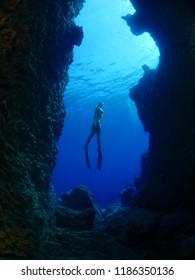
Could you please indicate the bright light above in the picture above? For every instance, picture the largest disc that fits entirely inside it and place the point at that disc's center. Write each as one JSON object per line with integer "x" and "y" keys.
{"x": 109, "y": 51}
{"x": 130, "y": 7}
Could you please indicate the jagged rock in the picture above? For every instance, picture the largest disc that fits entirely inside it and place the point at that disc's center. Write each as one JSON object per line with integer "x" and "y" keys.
{"x": 36, "y": 43}
{"x": 165, "y": 102}
{"x": 79, "y": 198}
{"x": 141, "y": 96}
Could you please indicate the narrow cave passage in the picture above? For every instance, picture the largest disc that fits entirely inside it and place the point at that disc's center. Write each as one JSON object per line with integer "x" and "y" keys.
{"x": 106, "y": 65}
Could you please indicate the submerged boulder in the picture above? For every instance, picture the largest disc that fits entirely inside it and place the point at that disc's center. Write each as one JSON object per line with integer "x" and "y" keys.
{"x": 79, "y": 198}
{"x": 77, "y": 209}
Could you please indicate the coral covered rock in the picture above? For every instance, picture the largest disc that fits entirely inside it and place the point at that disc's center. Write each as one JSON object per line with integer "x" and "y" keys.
{"x": 36, "y": 43}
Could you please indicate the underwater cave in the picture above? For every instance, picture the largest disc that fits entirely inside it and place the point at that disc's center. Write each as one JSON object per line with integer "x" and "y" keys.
{"x": 106, "y": 65}
{"x": 47, "y": 100}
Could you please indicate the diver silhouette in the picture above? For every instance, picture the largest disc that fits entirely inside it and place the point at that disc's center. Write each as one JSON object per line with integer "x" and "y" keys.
{"x": 96, "y": 129}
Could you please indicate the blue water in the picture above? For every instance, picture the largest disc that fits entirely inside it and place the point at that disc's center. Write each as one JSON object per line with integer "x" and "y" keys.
{"x": 106, "y": 65}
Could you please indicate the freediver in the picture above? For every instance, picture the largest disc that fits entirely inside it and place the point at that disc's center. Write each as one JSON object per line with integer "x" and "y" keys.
{"x": 96, "y": 129}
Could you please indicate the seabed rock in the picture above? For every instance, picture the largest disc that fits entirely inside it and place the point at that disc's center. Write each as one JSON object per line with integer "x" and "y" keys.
{"x": 77, "y": 210}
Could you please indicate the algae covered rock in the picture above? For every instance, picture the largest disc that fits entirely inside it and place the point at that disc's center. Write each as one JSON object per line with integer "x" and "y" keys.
{"x": 36, "y": 43}
{"x": 75, "y": 220}
{"x": 79, "y": 207}
{"x": 79, "y": 198}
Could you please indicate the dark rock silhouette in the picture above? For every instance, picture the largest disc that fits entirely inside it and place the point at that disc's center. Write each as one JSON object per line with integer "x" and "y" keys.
{"x": 127, "y": 195}
{"x": 78, "y": 198}
{"x": 165, "y": 102}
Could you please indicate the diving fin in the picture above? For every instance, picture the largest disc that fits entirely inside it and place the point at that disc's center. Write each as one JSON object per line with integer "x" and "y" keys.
{"x": 87, "y": 158}
{"x": 99, "y": 163}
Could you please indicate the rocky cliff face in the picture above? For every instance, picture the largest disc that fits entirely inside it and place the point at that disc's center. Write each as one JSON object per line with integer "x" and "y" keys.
{"x": 166, "y": 100}
{"x": 36, "y": 42}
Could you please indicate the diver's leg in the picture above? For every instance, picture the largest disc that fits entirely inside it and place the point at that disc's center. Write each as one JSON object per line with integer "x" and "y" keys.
{"x": 99, "y": 162}
{"x": 89, "y": 138}
{"x": 86, "y": 145}
{"x": 98, "y": 140}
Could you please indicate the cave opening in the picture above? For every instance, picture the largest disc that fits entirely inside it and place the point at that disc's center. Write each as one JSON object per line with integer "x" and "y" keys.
{"x": 106, "y": 65}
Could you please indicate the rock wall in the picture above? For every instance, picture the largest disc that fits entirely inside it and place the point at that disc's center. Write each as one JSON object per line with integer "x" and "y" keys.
{"x": 36, "y": 43}
{"x": 166, "y": 102}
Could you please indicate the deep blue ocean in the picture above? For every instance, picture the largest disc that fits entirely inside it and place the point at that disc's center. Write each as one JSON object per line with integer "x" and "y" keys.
{"x": 106, "y": 65}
